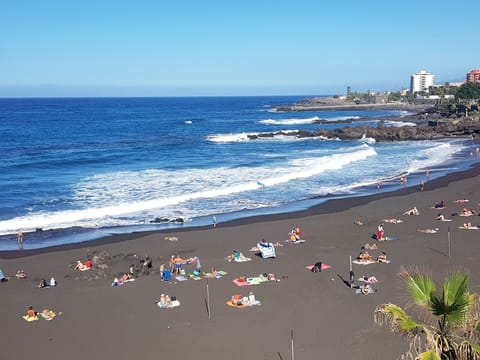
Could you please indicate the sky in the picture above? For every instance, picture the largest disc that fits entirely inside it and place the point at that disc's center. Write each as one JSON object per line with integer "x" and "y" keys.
{"x": 223, "y": 48}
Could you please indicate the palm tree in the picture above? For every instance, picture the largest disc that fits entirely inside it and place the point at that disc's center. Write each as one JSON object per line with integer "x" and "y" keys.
{"x": 446, "y": 324}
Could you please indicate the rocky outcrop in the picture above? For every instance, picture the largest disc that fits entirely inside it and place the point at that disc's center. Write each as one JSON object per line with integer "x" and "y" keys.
{"x": 460, "y": 128}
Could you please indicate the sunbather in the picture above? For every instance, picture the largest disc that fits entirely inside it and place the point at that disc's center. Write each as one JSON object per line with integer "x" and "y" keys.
{"x": 31, "y": 313}
{"x": 370, "y": 247}
{"x": 237, "y": 256}
{"x": 364, "y": 256}
{"x": 467, "y": 212}
{"x": 20, "y": 274}
{"x": 382, "y": 258}
{"x": 358, "y": 222}
{"x": 428, "y": 231}
{"x": 80, "y": 266}
{"x": 412, "y": 211}
{"x": 3, "y": 278}
{"x": 369, "y": 279}
{"x": 366, "y": 289}
{"x": 392, "y": 221}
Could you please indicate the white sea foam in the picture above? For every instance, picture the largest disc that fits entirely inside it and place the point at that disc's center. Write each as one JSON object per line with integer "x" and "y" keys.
{"x": 398, "y": 123}
{"x": 226, "y": 138}
{"x": 290, "y": 121}
{"x": 433, "y": 156}
{"x": 122, "y": 198}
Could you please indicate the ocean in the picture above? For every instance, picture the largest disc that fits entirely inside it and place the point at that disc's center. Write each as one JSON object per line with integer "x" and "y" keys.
{"x": 76, "y": 169}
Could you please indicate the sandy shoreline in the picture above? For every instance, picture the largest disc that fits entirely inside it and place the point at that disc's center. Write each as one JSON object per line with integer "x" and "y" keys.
{"x": 329, "y": 320}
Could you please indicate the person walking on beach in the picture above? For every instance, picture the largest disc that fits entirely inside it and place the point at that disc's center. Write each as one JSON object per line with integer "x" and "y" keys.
{"x": 20, "y": 240}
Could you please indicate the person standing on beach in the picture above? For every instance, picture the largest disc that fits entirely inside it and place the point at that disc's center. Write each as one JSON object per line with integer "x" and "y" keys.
{"x": 427, "y": 174}
{"x": 379, "y": 184}
{"x": 214, "y": 221}
{"x": 380, "y": 232}
{"x": 20, "y": 240}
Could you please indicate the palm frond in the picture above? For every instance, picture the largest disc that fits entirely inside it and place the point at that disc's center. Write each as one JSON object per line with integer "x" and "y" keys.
{"x": 428, "y": 355}
{"x": 396, "y": 318}
{"x": 420, "y": 288}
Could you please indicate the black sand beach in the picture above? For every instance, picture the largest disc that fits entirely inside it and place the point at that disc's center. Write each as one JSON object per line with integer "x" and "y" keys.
{"x": 329, "y": 321}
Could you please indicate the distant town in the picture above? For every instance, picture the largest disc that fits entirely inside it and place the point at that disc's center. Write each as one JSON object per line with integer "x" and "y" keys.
{"x": 450, "y": 99}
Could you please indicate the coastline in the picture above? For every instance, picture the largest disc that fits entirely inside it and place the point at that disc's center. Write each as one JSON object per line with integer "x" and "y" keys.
{"x": 326, "y": 316}
{"x": 329, "y": 206}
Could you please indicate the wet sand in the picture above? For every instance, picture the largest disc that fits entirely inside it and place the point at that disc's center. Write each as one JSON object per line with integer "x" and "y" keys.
{"x": 328, "y": 319}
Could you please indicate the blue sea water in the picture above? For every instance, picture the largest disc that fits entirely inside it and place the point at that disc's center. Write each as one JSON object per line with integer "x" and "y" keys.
{"x": 80, "y": 168}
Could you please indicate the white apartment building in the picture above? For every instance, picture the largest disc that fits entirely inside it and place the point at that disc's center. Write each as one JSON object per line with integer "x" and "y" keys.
{"x": 421, "y": 81}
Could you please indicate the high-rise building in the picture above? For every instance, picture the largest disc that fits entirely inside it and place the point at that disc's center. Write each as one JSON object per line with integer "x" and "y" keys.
{"x": 421, "y": 81}
{"x": 473, "y": 76}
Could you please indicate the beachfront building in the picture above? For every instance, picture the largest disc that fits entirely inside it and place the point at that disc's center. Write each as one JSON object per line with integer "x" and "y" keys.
{"x": 473, "y": 76}
{"x": 421, "y": 81}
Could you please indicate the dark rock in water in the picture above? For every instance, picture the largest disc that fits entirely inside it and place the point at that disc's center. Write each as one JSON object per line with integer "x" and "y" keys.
{"x": 166, "y": 220}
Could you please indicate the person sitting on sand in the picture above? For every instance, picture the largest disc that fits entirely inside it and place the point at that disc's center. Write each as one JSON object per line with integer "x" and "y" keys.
{"x": 88, "y": 264}
{"x": 439, "y": 205}
{"x": 428, "y": 231}
{"x": 125, "y": 277}
{"x": 31, "y": 313}
{"x": 43, "y": 283}
{"x": 382, "y": 258}
{"x": 370, "y": 247}
{"x": 366, "y": 288}
{"x": 20, "y": 274}
{"x": 468, "y": 225}
{"x": 412, "y": 211}
{"x": 3, "y": 278}
{"x": 53, "y": 282}
{"x": 364, "y": 256}
{"x": 440, "y": 217}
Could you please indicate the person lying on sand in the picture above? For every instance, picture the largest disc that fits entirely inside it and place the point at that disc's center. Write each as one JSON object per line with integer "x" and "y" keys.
{"x": 412, "y": 211}
{"x": 358, "y": 222}
{"x": 369, "y": 279}
{"x": 237, "y": 256}
{"x": 392, "y": 221}
{"x": 461, "y": 201}
{"x": 467, "y": 212}
{"x": 370, "y": 247}
{"x": 82, "y": 266}
{"x": 428, "y": 231}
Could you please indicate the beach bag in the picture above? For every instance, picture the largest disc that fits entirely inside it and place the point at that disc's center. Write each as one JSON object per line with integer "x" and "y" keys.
{"x": 317, "y": 267}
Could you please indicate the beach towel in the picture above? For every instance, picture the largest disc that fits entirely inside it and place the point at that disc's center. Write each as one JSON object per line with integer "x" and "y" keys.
{"x": 391, "y": 238}
{"x": 445, "y": 219}
{"x": 252, "y": 281}
{"x": 300, "y": 241}
{"x": 324, "y": 267}
{"x": 173, "y": 304}
{"x": 267, "y": 250}
{"x": 181, "y": 278}
{"x": 85, "y": 268}
{"x": 194, "y": 277}
{"x": 469, "y": 227}
{"x": 30, "y": 318}
{"x": 358, "y": 262}
{"x": 243, "y": 306}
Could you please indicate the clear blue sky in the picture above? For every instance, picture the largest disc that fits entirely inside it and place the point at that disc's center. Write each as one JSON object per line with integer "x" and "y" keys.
{"x": 260, "y": 47}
